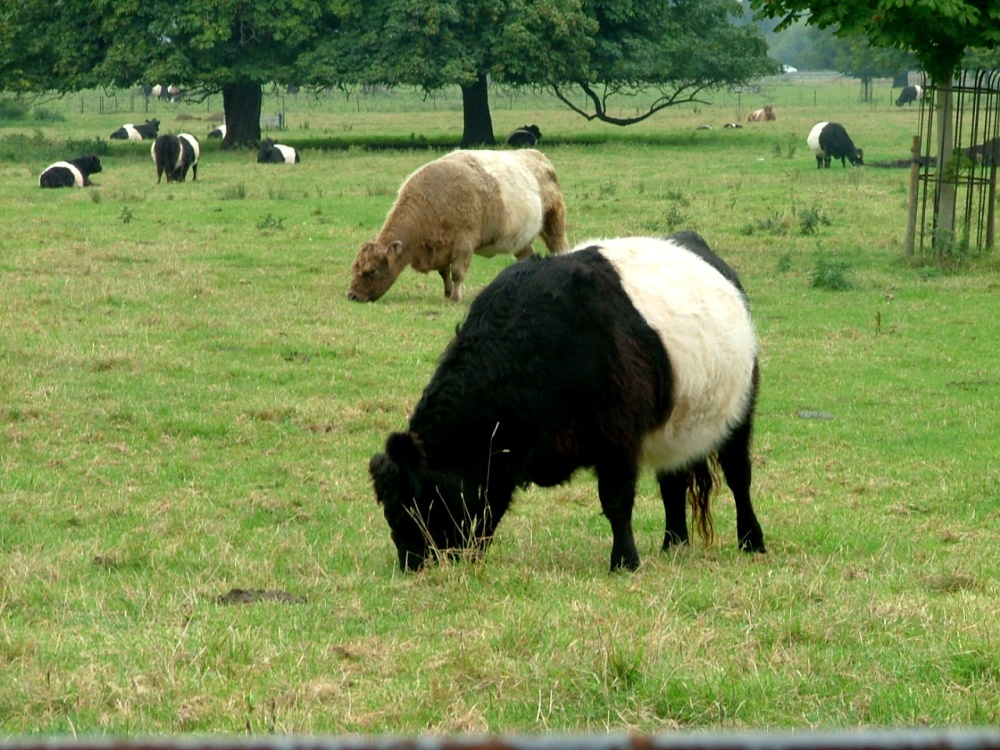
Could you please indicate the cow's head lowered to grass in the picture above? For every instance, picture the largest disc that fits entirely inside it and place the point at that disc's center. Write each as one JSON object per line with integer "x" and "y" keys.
{"x": 375, "y": 269}
{"x": 426, "y": 510}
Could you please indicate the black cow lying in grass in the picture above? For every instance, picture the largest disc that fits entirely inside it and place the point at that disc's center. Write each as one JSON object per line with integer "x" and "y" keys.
{"x": 276, "y": 153}
{"x": 145, "y": 132}
{"x": 526, "y": 136}
{"x": 618, "y": 354}
{"x": 72, "y": 173}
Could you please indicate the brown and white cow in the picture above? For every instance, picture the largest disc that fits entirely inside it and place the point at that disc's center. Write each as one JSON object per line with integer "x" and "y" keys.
{"x": 763, "y": 115}
{"x": 467, "y": 202}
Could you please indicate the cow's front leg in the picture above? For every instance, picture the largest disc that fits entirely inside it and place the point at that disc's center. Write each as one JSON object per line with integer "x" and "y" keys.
{"x": 446, "y": 278}
{"x": 616, "y": 487}
{"x": 525, "y": 252}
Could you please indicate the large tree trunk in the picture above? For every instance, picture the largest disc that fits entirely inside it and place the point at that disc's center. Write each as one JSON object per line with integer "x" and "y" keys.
{"x": 476, "y": 110}
{"x": 241, "y": 103}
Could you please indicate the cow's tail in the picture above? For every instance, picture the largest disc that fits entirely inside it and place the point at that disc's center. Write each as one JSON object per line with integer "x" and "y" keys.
{"x": 702, "y": 479}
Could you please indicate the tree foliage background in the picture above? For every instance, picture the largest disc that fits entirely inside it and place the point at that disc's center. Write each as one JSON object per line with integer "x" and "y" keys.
{"x": 937, "y": 32}
{"x": 595, "y": 54}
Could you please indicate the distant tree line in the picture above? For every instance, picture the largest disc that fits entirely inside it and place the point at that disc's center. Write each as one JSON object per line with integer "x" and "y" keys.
{"x": 595, "y": 55}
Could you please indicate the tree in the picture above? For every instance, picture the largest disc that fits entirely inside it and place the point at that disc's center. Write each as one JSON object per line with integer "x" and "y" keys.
{"x": 604, "y": 50}
{"x": 937, "y": 32}
{"x": 857, "y": 58}
{"x": 674, "y": 49}
{"x": 233, "y": 47}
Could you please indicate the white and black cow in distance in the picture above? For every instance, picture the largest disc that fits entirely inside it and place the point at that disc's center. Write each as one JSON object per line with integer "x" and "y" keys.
{"x": 145, "y": 132}
{"x": 276, "y": 153}
{"x": 526, "y": 136}
{"x": 171, "y": 93}
{"x": 174, "y": 155}
{"x": 219, "y": 132}
{"x": 829, "y": 140}
{"x": 72, "y": 173}
{"x": 618, "y": 354}
{"x": 910, "y": 94}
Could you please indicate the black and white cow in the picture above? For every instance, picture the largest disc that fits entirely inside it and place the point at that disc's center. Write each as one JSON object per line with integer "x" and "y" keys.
{"x": 829, "y": 140}
{"x": 910, "y": 94}
{"x": 526, "y": 136}
{"x": 275, "y": 153}
{"x": 175, "y": 154}
{"x": 72, "y": 173}
{"x": 145, "y": 132}
{"x": 172, "y": 93}
{"x": 219, "y": 132}
{"x": 618, "y": 354}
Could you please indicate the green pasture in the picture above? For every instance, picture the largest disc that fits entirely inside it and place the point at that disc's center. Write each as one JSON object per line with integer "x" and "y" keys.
{"x": 188, "y": 403}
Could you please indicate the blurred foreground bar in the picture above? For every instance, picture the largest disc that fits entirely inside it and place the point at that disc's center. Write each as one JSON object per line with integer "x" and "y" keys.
{"x": 907, "y": 739}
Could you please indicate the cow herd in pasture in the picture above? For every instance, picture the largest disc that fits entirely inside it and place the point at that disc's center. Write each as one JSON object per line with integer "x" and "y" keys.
{"x": 173, "y": 155}
{"x": 615, "y": 354}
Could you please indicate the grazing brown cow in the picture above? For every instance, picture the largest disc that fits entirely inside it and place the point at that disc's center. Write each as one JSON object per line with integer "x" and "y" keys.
{"x": 465, "y": 203}
{"x": 763, "y": 115}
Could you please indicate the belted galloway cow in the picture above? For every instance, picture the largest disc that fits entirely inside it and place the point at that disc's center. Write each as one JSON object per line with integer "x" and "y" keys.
{"x": 467, "y": 202}
{"x": 620, "y": 354}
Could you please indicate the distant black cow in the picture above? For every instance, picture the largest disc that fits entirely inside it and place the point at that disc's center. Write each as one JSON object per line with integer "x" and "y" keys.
{"x": 829, "y": 140}
{"x": 275, "y": 153}
{"x": 174, "y": 155}
{"x": 72, "y": 173}
{"x": 986, "y": 154}
{"x": 145, "y": 132}
{"x": 910, "y": 94}
{"x": 620, "y": 353}
{"x": 525, "y": 136}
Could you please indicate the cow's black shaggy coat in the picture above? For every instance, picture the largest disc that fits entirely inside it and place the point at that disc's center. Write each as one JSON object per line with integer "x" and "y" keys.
{"x": 553, "y": 369}
{"x": 72, "y": 173}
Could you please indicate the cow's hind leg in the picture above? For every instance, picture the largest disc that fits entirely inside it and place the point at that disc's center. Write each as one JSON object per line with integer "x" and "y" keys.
{"x": 525, "y": 252}
{"x": 460, "y": 262}
{"x": 734, "y": 458}
{"x": 446, "y": 278}
{"x": 673, "y": 490}
{"x": 554, "y": 228}
{"x": 616, "y": 487}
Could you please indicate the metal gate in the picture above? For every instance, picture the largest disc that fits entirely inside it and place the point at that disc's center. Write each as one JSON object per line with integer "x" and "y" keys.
{"x": 973, "y": 131}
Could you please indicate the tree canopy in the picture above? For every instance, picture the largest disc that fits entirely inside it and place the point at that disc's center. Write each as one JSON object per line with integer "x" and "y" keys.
{"x": 937, "y": 32}
{"x": 596, "y": 55}
{"x": 233, "y": 47}
{"x": 593, "y": 54}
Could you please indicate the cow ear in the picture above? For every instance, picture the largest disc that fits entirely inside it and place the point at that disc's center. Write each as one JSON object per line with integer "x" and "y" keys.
{"x": 406, "y": 450}
{"x": 385, "y": 479}
{"x": 396, "y": 246}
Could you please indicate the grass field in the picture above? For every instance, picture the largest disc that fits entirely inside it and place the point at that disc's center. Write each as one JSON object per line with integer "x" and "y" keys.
{"x": 188, "y": 403}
